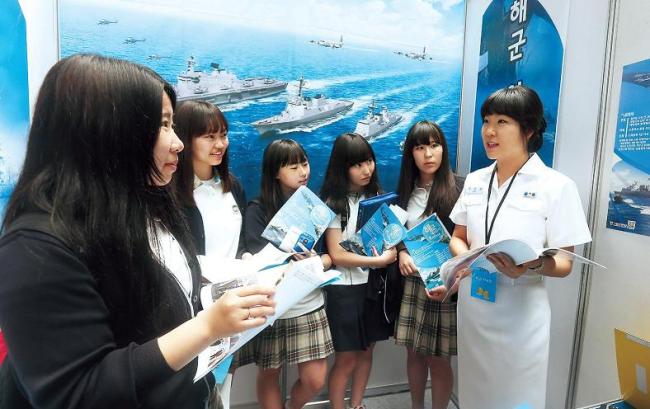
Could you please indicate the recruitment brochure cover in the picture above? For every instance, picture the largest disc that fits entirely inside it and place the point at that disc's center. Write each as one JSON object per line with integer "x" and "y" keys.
{"x": 428, "y": 245}
{"x": 383, "y": 230}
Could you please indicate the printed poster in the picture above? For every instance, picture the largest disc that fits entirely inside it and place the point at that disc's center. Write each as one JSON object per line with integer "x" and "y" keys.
{"x": 629, "y": 193}
{"x": 521, "y": 43}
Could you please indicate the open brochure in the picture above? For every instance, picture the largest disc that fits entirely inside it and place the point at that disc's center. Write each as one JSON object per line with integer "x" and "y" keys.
{"x": 428, "y": 245}
{"x": 292, "y": 281}
{"x": 299, "y": 223}
{"x": 384, "y": 229}
{"x": 519, "y": 251}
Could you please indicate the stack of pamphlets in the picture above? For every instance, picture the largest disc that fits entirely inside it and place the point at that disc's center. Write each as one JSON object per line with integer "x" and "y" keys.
{"x": 368, "y": 207}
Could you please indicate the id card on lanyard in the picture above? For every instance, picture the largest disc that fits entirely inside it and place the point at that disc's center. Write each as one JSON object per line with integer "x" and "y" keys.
{"x": 484, "y": 282}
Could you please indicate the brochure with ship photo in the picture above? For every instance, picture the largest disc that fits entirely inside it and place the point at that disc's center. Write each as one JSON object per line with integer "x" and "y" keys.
{"x": 383, "y": 230}
{"x": 428, "y": 245}
{"x": 299, "y": 223}
{"x": 368, "y": 207}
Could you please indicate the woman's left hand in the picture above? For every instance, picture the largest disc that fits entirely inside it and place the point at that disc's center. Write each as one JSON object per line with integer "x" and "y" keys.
{"x": 507, "y": 266}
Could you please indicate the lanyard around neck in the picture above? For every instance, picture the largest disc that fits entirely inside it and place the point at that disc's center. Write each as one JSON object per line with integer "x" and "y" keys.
{"x": 488, "y": 232}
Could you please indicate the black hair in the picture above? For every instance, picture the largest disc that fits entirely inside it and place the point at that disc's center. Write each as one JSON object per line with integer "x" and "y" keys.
{"x": 524, "y": 106}
{"x": 90, "y": 165}
{"x": 193, "y": 119}
{"x": 348, "y": 150}
{"x": 277, "y": 154}
{"x": 444, "y": 191}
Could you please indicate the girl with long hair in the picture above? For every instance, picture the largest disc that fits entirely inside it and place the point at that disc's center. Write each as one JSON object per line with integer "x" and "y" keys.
{"x": 99, "y": 297}
{"x": 355, "y": 321}
{"x": 427, "y": 328}
{"x": 212, "y": 198}
{"x": 301, "y": 336}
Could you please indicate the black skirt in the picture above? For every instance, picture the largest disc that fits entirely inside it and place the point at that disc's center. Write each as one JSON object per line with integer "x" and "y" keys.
{"x": 355, "y": 320}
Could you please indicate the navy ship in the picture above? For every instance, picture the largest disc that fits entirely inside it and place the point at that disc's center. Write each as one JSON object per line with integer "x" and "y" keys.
{"x": 104, "y": 22}
{"x": 223, "y": 87}
{"x": 635, "y": 190}
{"x": 301, "y": 110}
{"x": 329, "y": 44}
{"x": 374, "y": 123}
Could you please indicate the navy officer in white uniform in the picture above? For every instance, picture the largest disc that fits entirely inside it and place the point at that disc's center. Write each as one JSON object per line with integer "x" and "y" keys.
{"x": 503, "y": 344}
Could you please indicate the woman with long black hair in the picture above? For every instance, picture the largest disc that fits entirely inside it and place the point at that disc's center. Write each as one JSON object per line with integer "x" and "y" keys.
{"x": 99, "y": 298}
{"x": 427, "y": 328}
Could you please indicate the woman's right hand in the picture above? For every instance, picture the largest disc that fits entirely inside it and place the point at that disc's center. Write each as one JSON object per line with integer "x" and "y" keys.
{"x": 238, "y": 310}
{"x": 387, "y": 257}
{"x": 406, "y": 265}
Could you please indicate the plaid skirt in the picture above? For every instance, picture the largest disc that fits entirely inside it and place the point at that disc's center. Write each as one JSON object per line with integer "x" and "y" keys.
{"x": 294, "y": 340}
{"x": 244, "y": 355}
{"x": 426, "y": 326}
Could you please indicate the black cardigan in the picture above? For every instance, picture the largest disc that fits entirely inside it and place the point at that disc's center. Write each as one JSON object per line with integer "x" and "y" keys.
{"x": 62, "y": 347}
{"x": 195, "y": 221}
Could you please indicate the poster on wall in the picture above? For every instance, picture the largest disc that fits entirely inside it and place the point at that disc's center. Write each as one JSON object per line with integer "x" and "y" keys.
{"x": 308, "y": 71}
{"x": 14, "y": 98}
{"x": 629, "y": 193}
{"x": 521, "y": 43}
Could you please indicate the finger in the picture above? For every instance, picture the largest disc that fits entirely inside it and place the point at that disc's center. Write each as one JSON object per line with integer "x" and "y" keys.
{"x": 260, "y": 311}
{"x": 374, "y": 251}
{"x": 251, "y": 323}
{"x": 255, "y": 300}
{"x": 254, "y": 289}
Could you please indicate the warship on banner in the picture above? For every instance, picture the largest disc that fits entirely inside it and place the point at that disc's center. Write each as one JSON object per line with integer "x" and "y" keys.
{"x": 104, "y": 22}
{"x": 131, "y": 40}
{"x": 223, "y": 87}
{"x": 416, "y": 56}
{"x": 634, "y": 190}
{"x": 330, "y": 44}
{"x": 374, "y": 123}
{"x": 301, "y": 110}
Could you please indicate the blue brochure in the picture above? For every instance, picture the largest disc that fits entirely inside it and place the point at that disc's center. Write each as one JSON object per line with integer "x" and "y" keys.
{"x": 428, "y": 245}
{"x": 299, "y": 223}
{"x": 484, "y": 284}
{"x": 383, "y": 230}
{"x": 369, "y": 206}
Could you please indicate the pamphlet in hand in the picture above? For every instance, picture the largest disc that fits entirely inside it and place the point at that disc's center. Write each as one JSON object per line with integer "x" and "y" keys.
{"x": 383, "y": 230}
{"x": 428, "y": 245}
{"x": 299, "y": 223}
{"x": 519, "y": 251}
{"x": 293, "y": 281}
{"x": 368, "y": 207}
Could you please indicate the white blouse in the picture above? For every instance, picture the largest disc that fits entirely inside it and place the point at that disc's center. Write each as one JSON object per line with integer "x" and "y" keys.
{"x": 350, "y": 275}
{"x": 222, "y": 219}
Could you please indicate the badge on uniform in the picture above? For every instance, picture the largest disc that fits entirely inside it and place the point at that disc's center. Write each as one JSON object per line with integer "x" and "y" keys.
{"x": 484, "y": 284}
{"x": 530, "y": 195}
{"x": 474, "y": 190}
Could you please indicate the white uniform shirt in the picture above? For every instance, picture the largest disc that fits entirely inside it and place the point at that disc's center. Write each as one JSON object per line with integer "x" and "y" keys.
{"x": 544, "y": 203}
{"x": 171, "y": 255}
{"x": 222, "y": 219}
{"x": 350, "y": 275}
{"x": 416, "y": 205}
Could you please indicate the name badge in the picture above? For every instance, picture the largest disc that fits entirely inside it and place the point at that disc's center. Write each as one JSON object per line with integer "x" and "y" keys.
{"x": 484, "y": 284}
{"x": 474, "y": 190}
{"x": 530, "y": 195}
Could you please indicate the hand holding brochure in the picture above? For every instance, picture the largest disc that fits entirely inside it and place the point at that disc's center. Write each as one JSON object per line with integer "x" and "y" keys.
{"x": 383, "y": 230}
{"x": 428, "y": 246}
{"x": 519, "y": 251}
{"x": 299, "y": 223}
{"x": 293, "y": 281}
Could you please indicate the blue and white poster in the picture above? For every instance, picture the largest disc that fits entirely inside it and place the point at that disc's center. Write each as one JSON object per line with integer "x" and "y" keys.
{"x": 372, "y": 66}
{"x": 629, "y": 195}
{"x": 14, "y": 98}
{"x": 521, "y": 43}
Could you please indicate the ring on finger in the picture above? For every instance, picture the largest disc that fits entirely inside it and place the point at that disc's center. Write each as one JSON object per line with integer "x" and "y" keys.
{"x": 250, "y": 316}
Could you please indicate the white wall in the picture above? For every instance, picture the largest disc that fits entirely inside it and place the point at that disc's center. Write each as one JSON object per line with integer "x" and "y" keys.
{"x": 42, "y": 41}
{"x": 619, "y": 297}
{"x": 574, "y": 152}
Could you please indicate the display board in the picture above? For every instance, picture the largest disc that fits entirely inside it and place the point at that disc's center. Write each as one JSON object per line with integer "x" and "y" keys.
{"x": 249, "y": 58}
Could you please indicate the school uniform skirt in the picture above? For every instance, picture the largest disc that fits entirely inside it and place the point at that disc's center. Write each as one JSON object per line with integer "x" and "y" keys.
{"x": 355, "y": 320}
{"x": 426, "y": 326}
{"x": 294, "y": 340}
